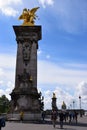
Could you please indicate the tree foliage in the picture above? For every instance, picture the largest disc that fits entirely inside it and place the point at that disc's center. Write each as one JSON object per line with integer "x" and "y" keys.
{"x": 4, "y": 104}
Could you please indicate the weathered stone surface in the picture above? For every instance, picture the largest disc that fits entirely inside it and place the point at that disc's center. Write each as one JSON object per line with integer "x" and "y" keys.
{"x": 25, "y": 95}
{"x": 54, "y": 106}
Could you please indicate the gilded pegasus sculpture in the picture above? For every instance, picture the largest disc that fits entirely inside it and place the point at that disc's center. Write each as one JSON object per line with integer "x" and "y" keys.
{"x": 28, "y": 16}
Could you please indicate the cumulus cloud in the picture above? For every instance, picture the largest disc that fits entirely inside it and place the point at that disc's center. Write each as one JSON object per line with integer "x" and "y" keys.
{"x": 47, "y": 99}
{"x": 8, "y": 7}
{"x": 1, "y": 82}
{"x": 61, "y": 96}
{"x": 10, "y": 86}
{"x": 52, "y": 73}
{"x": 46, "y": 2}
{"x": 1, "y": 71}
{"x": 9, "y": 11}
{"x": 7, "y": 67}
{"x": 1, "y": 92}
{"x": 68, "y": 81}
{"x": 6, "y": 88}
{"x": 82, "y": 91}
{"x": 7, "y": 61}
{"x": 7, "y": 74}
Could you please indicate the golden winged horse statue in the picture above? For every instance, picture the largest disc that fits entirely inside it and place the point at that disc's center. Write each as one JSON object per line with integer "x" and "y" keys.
{"x": 28, "y": 16}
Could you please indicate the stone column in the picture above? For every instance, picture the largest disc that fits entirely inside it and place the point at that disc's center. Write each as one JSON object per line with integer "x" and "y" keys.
{"x": 54, "y": 106}
{"x": 25, "y": 95}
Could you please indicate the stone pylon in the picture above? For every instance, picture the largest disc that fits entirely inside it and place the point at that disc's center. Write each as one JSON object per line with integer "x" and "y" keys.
{"x": 25, "y": 96}
{"x": 54, "y": 99}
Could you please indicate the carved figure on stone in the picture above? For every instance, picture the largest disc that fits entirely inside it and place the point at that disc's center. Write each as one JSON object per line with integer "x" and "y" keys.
{"x": 26, "y": 50}
{"x": 23, "y": 102}
{"x": 28, "y": 16}
{"x": 24, "y": 76}
{"x": 24, "y": 80}
{"x": 36, "y": 105}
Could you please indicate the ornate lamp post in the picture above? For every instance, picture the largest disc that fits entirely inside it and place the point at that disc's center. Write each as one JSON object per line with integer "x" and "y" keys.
{"x": 80, "y": 105}
{"x": 73, "y": 104}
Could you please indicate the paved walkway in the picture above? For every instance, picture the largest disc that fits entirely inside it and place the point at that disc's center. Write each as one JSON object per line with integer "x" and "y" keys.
{"x": 81, "y": 125}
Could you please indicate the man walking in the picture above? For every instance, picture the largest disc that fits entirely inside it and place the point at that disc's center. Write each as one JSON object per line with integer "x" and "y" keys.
{"x": 61, "y": 118}
{"x": 54, "y": 117}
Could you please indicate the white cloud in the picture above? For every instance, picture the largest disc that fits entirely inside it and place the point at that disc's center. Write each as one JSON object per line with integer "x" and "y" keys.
{"x": 65, "y": 96}
{"x": 1, "y": 71}
{"x": 1, "y": 92}
{"x": 52, "y": 73}
{"x": 82, "y": 91}
{"x": 1, "y": 82}
{"x": 6, "y": 88}
{"x": 47, "y": 99}
{"x": 48, "y": 73}
{"x": 10, "y": 11}
{"x": 8, "y": 7}
{"x": 46, "y": 2}
{"x": 7, "y": 85}
{"x": 9, "y": 89}
{"x": 61, "y": 96}
{"x": 7, "y": 61}
{"x": 7, "y": 74}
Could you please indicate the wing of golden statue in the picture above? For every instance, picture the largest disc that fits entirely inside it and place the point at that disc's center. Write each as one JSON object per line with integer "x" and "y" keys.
{"x": 33, "y": 10}
{"x": 28, "y": 16}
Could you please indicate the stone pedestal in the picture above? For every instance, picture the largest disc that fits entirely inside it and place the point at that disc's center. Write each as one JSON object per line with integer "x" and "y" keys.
{"x": 54, "y": 106}
{"x": 25, "y": 96}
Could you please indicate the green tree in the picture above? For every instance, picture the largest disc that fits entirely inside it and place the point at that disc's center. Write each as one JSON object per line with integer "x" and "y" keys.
{"x": 4, "y": 104}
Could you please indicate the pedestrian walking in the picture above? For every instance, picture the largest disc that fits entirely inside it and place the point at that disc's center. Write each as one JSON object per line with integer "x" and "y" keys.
{"x": 54, "y": 117}
{"x": 70, "y": 117}
{"x": 43, "y": 115}
{"x": 2, "y": 123}
{"x": 61, "y": 118}
{"x": 76, "y": 116}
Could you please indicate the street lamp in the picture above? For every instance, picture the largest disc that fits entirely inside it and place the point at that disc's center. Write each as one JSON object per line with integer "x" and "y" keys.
{"x": 80, "y": 105}
{"x": 73, "y": 104}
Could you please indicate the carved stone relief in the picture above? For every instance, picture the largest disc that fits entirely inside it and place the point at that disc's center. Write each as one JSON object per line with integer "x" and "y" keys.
{"x": 24, "y": 80}
{"x": 26, "y": 51}
{"x": 24, "y": 102}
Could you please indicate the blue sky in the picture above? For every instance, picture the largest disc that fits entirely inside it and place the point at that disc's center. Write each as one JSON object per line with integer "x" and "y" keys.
{"x": 62, "y": 53}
